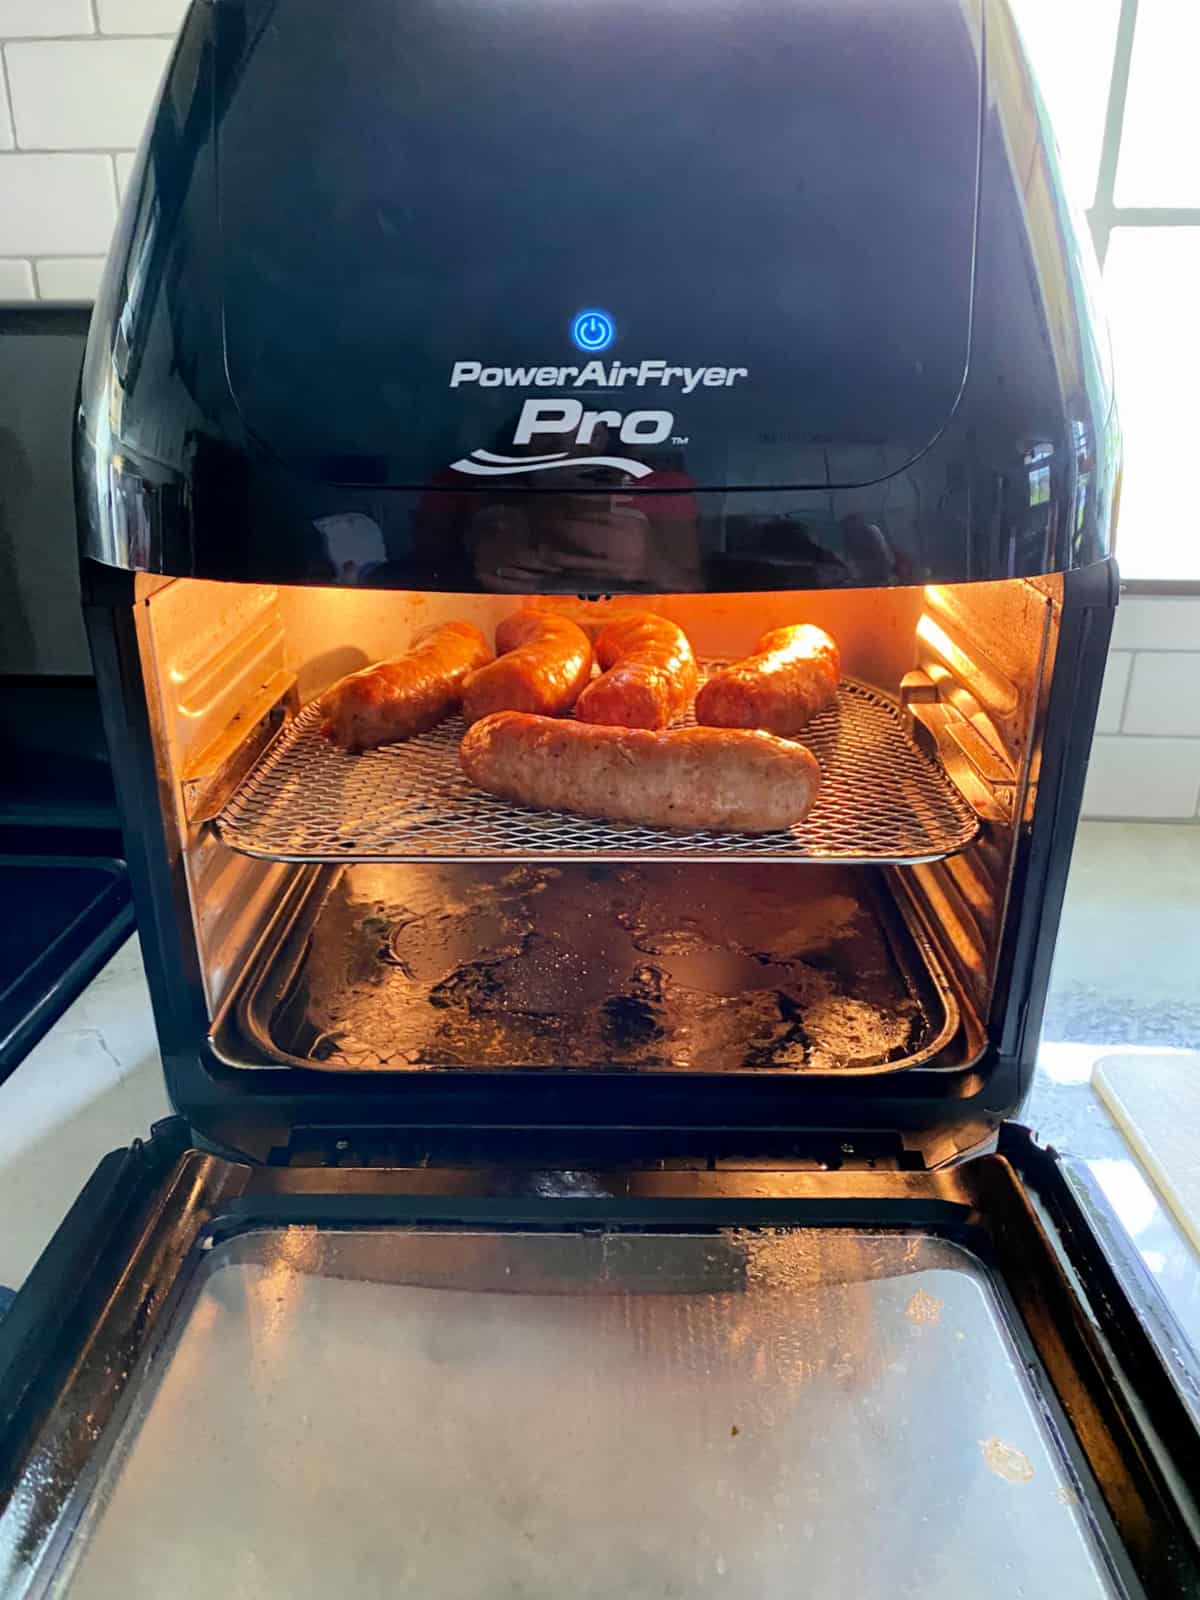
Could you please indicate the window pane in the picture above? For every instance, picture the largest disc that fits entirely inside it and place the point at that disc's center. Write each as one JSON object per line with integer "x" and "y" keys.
{"x": 1151, "y": 280}
{"x": 1159, "y": 165}
{"x": 1071, "y": 45}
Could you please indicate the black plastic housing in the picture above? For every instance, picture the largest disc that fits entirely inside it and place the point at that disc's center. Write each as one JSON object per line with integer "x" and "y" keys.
{"x": 847, "y": 219}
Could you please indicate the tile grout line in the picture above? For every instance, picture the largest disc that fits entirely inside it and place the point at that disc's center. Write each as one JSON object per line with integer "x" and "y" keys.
{"x": 57, "y": 255}
{"x": 1180, "y": 821}
{"x": 72, "y": 150}
{"x": 82, "y": 38}
{"x": 21, "y": 261}
{"x": 1133, "y": 655}
{"x": 8, "y": 99}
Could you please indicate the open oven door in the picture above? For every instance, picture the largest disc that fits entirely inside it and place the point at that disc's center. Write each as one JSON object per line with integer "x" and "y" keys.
{"x": 476, "y": 1379}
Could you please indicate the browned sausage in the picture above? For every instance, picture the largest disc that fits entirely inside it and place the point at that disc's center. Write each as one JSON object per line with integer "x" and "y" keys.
{"x": 791, "y": 676}
{"x": 735, "y": 780}
{"x": 395, "y": 699}
{"x": 649, "y": 674}
{"x": 544, "y": 661}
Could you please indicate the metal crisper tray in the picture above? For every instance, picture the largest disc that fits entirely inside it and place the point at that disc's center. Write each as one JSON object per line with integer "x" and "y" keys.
{"x": 882, "y": 801}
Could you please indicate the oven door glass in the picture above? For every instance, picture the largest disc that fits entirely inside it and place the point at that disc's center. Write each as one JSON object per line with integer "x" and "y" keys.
{"x": 441, "y": 1383}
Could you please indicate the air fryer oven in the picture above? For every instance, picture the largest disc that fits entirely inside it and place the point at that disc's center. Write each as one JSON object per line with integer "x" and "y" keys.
{"x": 551, "y": 1204}
{"x": 677, "y": 360}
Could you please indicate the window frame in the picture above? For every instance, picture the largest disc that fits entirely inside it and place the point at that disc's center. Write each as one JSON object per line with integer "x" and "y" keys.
{"x": 1104, "y": 215}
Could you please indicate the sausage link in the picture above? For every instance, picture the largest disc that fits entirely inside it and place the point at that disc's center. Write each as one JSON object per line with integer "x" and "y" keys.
{"x": 792, "y": 675}
{"x": 725, "y": 780}
{"x": 649, "y": 674}
{"x": 544, "y": 662}
{"x": 396, "y": 699}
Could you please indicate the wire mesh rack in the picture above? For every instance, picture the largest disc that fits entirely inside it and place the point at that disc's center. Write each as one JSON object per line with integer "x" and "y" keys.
{"x": 881, "y": 801}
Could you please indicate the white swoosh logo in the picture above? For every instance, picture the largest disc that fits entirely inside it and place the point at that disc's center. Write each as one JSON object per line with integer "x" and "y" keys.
{"x": 478, "y": 468}
{"x": 488, "y": 455}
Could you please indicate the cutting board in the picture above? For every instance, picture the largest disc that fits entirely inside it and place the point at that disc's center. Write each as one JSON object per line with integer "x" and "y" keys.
{"x": 1155, "y": 1101}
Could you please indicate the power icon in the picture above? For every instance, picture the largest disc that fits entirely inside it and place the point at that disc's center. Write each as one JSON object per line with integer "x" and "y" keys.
{"x": 593, "y": 330}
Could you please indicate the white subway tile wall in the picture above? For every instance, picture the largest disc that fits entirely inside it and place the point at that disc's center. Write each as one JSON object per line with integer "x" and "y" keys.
{"x": 1112, "y": 696}
{"x": 77, "y": 80}
{"x": 1146, "y": 757}
{"x": 140, "y": 16}
{"x": 44, "y": 19}
{"x": 1155, "y": 779}
{"x": 125, "y": 161}
{"x": 82, "y": 94}
{"x": 16, "y": 280}
{"x": 56, "y": 205}
{"x": 1164, "y": 695}
{"x": 1157, "y": 622}
{"x": 69, "y": 277}
{"x": 6, "y": 125}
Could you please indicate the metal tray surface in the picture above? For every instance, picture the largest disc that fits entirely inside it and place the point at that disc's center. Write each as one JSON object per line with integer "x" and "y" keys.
{"x": 661, "y": 967}
{"x": 881, "y": 800}
{"x": 462, "y": 1413}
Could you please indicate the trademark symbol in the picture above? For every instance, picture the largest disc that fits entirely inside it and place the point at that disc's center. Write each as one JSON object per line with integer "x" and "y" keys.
{"x": 677, "y": 438}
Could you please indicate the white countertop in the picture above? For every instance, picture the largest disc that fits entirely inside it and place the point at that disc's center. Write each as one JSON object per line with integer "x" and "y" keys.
{"x": 93, "y": 1084}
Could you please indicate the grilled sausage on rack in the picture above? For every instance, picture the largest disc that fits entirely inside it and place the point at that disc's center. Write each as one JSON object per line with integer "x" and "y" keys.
{"x": 724, "y": 780}
{"x": 544, "y": 662}
{"x": 396, "y": 699}
{"x": 792, "y": 675}
{"x": 649, "y": 674}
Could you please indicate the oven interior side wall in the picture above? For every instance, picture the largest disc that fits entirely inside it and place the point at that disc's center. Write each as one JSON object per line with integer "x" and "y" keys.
{"x": 227, "y": 663}
{"x": 984, "y": 663}
{"x": 216, "y": 664}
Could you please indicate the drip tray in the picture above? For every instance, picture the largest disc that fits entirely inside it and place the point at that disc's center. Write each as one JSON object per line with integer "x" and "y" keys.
{"x": 457, "y": 1413}
{"x": 600, "y": 968}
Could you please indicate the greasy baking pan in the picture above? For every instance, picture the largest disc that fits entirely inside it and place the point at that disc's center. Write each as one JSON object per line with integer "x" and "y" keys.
{"x": 657, "y": 967}
{"x": 456, "y": 1381}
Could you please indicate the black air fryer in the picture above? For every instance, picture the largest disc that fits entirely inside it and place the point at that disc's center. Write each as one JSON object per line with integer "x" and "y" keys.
{"x": 556, "y": 1204}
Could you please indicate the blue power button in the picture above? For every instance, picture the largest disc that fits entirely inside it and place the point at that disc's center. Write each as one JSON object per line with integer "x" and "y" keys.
{"x": 593, "y": 330}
